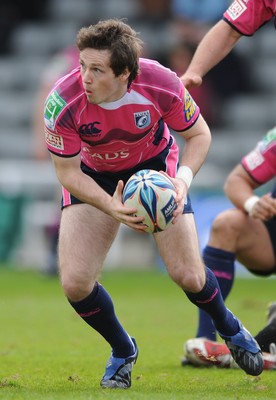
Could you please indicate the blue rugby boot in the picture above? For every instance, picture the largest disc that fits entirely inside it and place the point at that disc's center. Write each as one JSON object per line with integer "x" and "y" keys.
{"x": 245, "y": 351}
{"x": 118, "y": 371}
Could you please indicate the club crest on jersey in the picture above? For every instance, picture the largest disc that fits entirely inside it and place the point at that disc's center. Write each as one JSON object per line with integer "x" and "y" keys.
{"x": 142, "y": 119}
{"x": 53, "y": 107}
{"x": 189, "y": 106}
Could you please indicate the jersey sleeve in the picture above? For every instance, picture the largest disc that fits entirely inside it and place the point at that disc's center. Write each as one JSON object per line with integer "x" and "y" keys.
{"x": 61, "y": 136}
{"x": 260, "y": 163}
{"x": 247, "y": 16}
{"x": 183, "y": 112}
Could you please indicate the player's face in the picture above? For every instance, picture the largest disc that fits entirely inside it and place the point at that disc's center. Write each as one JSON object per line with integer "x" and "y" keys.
{"x": 98, "y": 79}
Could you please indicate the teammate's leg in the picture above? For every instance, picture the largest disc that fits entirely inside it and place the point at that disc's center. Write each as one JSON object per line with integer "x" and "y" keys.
{"x": 234, "y": 235}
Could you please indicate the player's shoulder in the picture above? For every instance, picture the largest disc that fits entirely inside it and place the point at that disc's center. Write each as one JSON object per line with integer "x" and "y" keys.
{"x": 151, "y": 72}
{"x": 67, "y": 92}
{"x": 69, "y": 86}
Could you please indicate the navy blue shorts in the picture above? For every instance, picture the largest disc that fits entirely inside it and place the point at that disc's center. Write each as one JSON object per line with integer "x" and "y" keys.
{"x": 271, "y": 227}
{"x": 109, "y": 180}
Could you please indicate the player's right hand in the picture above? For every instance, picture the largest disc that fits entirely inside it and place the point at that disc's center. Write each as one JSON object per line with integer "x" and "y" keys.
{"x": 124, "y": 214}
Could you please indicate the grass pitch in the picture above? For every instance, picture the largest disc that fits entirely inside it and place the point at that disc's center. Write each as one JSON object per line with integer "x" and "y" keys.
{"x": 48, "y": 353}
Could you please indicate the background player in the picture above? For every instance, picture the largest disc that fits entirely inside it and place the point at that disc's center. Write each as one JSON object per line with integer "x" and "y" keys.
{"x": 242, "y": 18}
{"x": 246, "y": 233}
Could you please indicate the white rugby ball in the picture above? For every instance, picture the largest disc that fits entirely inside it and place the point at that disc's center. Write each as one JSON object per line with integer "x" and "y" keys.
{"x": 153, "y": 195}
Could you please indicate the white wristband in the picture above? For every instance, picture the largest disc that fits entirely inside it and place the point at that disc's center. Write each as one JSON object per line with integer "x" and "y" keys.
{"x": 186, "y": 174}
{"x": 250, "y": 203}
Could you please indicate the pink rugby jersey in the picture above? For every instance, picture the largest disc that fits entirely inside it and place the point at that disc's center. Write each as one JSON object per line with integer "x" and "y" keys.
{"x": 261, "y": 162}
{"x": 119, "y": 135}
{"x": 247, "y": 16}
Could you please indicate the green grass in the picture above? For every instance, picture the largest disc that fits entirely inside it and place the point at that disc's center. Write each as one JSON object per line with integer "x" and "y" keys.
{"x": 49, "y": 353}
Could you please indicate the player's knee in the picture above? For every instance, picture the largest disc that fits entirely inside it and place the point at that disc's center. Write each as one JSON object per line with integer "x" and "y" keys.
{"x": 75, "y": 290}
{"x": 193, "y": 283}
{"x": 228, "y": 224}
{"x": 190, "y": 280}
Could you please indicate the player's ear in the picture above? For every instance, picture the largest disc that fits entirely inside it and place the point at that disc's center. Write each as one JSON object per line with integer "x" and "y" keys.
{"x": 125, "y": 75}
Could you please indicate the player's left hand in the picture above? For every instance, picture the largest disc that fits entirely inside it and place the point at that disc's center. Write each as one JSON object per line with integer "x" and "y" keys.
{"x": 265, "y": 208}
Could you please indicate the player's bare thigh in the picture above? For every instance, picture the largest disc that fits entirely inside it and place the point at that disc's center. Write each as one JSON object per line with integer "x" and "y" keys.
{"x": 86, "y": 235}
{"x": 179, "y": 249}
{"x": 248, "y": 238}
{"x": 254, "y": 248}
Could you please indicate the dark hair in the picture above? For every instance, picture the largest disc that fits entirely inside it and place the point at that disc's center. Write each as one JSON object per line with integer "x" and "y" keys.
{"x": 119, "y": 38}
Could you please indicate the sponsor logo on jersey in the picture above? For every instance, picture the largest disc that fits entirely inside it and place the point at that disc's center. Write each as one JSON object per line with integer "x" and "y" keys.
{"x": 142, "y": 119}
{"x": 121, "y": 154}
{"x": 54, "y": 141}
{"x": 236, "y": 9}
{"x": 254, "y": 159}
{"x": 53, "y": 107}
{"x": 189, "y": 106}
{"x": 90, "y": 129}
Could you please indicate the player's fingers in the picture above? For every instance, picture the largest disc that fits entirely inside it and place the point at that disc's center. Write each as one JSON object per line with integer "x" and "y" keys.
{"x": 265, "y": 208}
{"x": 119, "y": 190}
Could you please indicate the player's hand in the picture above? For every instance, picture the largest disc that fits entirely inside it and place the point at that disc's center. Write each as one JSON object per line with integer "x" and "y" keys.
{"x": 191, "y": 80}
{"x": 265, "y": 208}
{"x": 125, "y": 214}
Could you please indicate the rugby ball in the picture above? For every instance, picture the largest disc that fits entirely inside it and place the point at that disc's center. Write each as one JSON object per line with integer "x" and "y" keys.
{"x": 153, "y": 195}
